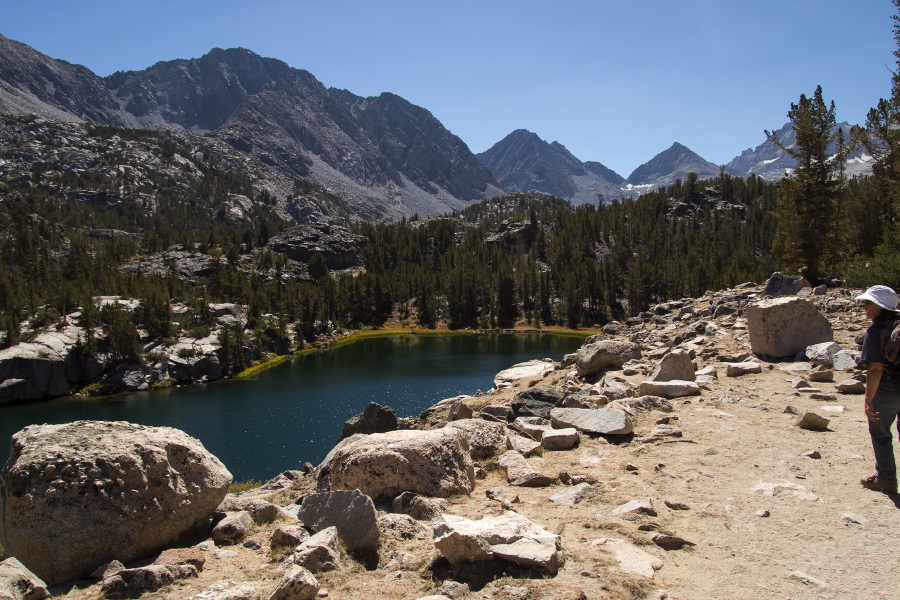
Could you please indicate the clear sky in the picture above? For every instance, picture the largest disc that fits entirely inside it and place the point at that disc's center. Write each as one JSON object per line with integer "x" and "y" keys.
{"x": 615, "y": 82}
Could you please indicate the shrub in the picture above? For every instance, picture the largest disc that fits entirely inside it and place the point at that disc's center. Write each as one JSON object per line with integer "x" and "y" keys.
{"x": 243, "y": 486}
{"x": 185, "y": 352}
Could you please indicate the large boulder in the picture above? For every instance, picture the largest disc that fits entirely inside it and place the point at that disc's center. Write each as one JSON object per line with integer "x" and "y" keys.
{"x": 131, "y": 583}
{"x": 350, "y": 511}
{"x": 783, "y": 327}
{"x": 531, "y": 368}
{"x": 433, "y": 463}
{"x": 605, "y": 354}
{"x": 75, "y": 496}
{"x": 508, "y": 537}
{"x": 375, "y": 418}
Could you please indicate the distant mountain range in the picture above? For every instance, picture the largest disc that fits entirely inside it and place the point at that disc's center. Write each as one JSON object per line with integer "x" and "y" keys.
{"x": 384, "y": 156}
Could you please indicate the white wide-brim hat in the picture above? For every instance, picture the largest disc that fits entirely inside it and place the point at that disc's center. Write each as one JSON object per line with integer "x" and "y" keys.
{"x": 881, "y": 295}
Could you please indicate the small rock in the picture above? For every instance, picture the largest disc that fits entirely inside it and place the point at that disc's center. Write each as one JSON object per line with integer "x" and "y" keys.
{"x": 131, "y": 583}
{"x": 813, "y": 454}
{"x": 233, "y": 528}
{"x": 851, "y": 386}
{"x": 229, "y": 590}
{"x": 18, "y": 583}
{"x": 808, "y": 579}
{"x": 560, "y": 439}
{"x": 670, "y": 542}
{"x": 107, "y": 570}
{"x": 519, "y": 472}
{"x": 643, "y": 506}
{"x": 288, "y": 536}
{"x": 825, "y": 397}
{"x": 573, "y": 495}
{"x": 631, "y": 558}
{"x": 791, "y": 410}
{"x": 812, "y": 421}
{"x": 675, "y": 505}
{"x": 763, "y": 513}
{"x": 297, "y": 584}
{"x": 853, "y": 518}
{"x": 742, "y": 368}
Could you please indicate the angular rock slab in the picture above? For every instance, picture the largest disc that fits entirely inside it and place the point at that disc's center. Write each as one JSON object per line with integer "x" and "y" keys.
{"x": 573, "y": 495}
{"x": 136, "y": 489}
{"x": 320, "y": 553}
{"x": 786, "y": 326}
{"x": 742, "y": 368}
{"x": 351, "y": 511}
{"x": 18, "y": 583}
{"x": 297, "y": 584}
{"x": 597, "y": 421}
{"x": 810, "y": 420}
{"x": 509, "y": 537}
{"x": 519, "y": 472}
{"x": 669, "y": 389}
{"x": 594, "y": 357}
{"x": 560, "y": 439}
{"x": 676, "y": 365}
{"x": 507, "y": 377}
{"x": 631, "y": 558}
{"x": 131, "y": 583}
{"x": 229, "y": 590}
{"x": 432, "y": 463}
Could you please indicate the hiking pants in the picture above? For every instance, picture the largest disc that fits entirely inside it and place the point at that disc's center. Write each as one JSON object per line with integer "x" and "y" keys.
{"x": 887, "y": 404}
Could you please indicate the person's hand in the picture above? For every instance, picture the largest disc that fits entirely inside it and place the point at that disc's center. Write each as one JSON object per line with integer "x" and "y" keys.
{"x": 870, "y": 412}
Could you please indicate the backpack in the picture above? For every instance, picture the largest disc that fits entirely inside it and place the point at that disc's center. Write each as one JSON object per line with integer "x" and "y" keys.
{"x": 890, "y": 345}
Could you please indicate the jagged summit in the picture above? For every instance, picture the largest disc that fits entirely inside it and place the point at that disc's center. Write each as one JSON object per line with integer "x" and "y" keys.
{"x": 523, "y": 162}
{"x": 671, "y": 164}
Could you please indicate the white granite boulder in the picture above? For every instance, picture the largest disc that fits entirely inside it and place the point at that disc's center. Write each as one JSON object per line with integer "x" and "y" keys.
{"x": 674, "y": 365}
{"x": 351, "y": 511}
{"x": 605, "y": 354}
{"x": 432, "y": 463}
{"x": 669, "y": 389}
{"x": 485, "y": 438}
{"x": 531, "y": 368}
{"x": 597, "y": 421}
{"x": 18, "y": 583}
{"x": 297, "y": 584}
{"x": 508, "y": 537}
{"x": 783, "y": 327}
{"x": 136, "y": 489}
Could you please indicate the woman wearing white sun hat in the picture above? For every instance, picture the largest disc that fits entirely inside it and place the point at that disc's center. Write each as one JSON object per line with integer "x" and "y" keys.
{"x": 882, "y": 386}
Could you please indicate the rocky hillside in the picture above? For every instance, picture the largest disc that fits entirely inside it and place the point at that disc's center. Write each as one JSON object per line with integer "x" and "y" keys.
{"x": 676, "y": 457}
{"x": 523, "y": 162}
{"x": 385, "y": 156}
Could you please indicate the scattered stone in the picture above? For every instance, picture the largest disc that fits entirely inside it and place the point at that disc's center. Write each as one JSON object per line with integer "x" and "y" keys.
{"x": 742, "y": 368}
{"x": 670, "y": 542}
{"x": 320, "y": 553}
{"x": 460, "y": 410}
{"x": 485, "y": 438}
{"x": 533, "y": 426}
{"x": 661, "y": 432}
{"x": 605, "y": 354}
{"x": 824, "y": 397}
{"x": 851, "y": 386}
{"x": 631, "y": 558}
{"x": 808, "y": 579}
{"x": 853, "y": 518}
{"x": 815, "y": 454}
{"x": 223, "y": 554}
{"x": 521, "y": 444}
{"x": 708, "y": 371}
{"x": 131, "y": 583}
{"x": 500, "y": 413}
{"x": 560, "y": 439}
{"x": 643, "y": 506}
{"x": 598, "y": 421}
{"x": 229, "y": 590}
{"x": 233, "y": 528}
{"x": 288, "y": 536}
{"x": 507, "y": 377}
{"x": 18, "y": 583}
{"x": 763, "y": 513}
{"x": 812, "y": 421}
{"x": 833, "y": 410}
{"x": 264, "y": 512}
{"x": 676, "y": 366}
{"x": 350, "y": 511}
{"x": 784, "y": 285}
{"x": 178, "y": 556}
{"x": 822, "y": 354}
{"x": 501, "y": 495}
{"x": 453, "y": 589}
{"x": 821, "y": 374}
{"x": 536, "y": 401}
{"x": 432, "y": 463}
{"x": 573, "y": 495}
{"x": 783, "y": 327}
{"x": 846, "y": 360}
{"x": 63, "y": 480}
{"x": 791, "y": 410}
{"x": 675, "y": 505}
{"x": 373, "y": 419}
{"x": 418, "y": 507}
{"x": 519, "y": 472}
{"x": 253, "y": 545}
{"x": 509, "y": 537}
{"x": 646, "y": 404}
{"x": 669, "y": 389}
{"x": 402, "y": 527}
{"x": 780, "y": 489}
{"x": 297, "y": 584}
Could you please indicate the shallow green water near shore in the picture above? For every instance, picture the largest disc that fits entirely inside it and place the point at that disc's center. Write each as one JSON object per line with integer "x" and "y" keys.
{"x": 294, "y": 412}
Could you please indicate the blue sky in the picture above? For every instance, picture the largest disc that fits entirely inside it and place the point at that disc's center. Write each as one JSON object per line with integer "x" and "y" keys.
{"x": 614, "y": 82}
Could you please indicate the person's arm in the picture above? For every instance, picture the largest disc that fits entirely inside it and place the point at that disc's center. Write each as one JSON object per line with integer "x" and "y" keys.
{"x": 873, "y": 378}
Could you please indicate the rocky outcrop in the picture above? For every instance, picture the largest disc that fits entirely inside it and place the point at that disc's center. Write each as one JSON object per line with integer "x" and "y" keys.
{"x": 373, "y": 419}
{"x": 337, "y": 244}
{"x": 135, "y": 488}
{"x": 432, "y": 463}
{"x": 595, "y": 356}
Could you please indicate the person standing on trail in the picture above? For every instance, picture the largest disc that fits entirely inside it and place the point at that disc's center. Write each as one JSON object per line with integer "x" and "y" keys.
{"x": 882, "y": 385}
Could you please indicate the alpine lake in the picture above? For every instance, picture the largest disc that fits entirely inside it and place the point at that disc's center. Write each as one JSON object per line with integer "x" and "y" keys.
{"x": 293, "y": 412}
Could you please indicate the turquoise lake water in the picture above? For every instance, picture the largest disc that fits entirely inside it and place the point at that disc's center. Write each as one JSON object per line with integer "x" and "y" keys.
{"x": 294, "y": 412}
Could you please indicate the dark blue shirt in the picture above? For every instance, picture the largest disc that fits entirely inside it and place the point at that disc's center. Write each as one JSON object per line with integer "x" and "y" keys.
{"x": 871, "y": 350}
